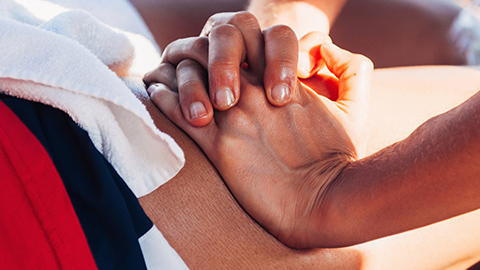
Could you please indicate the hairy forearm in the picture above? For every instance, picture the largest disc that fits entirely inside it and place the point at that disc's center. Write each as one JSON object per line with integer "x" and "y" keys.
{"x": 302, "y": 16}
{"x": 428, "y": 177}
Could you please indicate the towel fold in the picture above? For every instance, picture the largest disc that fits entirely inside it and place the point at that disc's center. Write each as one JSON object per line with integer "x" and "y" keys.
{"x": 68, "y": 59}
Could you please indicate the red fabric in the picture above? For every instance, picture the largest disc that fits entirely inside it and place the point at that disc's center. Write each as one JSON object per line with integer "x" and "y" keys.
{"x": 38, "y": 225}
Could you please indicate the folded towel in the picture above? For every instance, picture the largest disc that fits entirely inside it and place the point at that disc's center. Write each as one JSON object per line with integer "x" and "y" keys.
{"x": 68, "y": 59}
{"x": 62, "y": 56}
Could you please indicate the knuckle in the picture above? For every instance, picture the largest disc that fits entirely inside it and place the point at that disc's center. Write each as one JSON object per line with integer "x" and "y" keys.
{"x": 160, "y": 74}
{"x": 223, "y": 65}
{"x": 163, "y": 72}
{"x": 172, "y": 46}
{"x": 159, "y": 95}
{"x": 281, "y": 31}
{"x": 364, "y": 62}
{"x": 168, "y": 50}
{"x": 215, "y": 19}
{"x": 187, "y": 63}
{"x": 190, "y": 84}
{"x": 242, "y": 120}
{"x": 244, "y": 17}
{"x": 190, "y": 74}
{"x": 285, "y": 62}
{"x": 226, "y": 30}
{"x": 200, "y": 44}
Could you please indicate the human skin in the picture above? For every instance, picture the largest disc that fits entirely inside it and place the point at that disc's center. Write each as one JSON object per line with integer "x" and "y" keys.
{"x": 203, "y": 222}
{"x": 396, "y": 81}
{"x": 224, "y": 53}
{"x": 293, "y": 169}
{"x": 417, "y": 31}
{"x": 302, "y": 16}
{"x": 300, "y": 209}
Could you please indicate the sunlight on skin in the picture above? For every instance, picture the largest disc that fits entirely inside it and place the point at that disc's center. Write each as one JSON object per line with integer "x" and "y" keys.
{"x": 190, "y": 213}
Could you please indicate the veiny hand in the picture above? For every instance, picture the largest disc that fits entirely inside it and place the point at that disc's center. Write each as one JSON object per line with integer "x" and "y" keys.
{"x": 229, "y": 43}
{"x": 280, "y": 161}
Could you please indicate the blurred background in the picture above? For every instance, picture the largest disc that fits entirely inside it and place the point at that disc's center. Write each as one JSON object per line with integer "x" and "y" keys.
{"x": 390, "y": 32}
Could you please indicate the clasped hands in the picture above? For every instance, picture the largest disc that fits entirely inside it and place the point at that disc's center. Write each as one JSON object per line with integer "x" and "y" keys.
{"x": 278, "y": 141}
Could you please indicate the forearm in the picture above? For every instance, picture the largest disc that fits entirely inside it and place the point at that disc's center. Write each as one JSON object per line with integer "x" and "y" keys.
{"x": 202, "y": 221}
{"x": 302, "y": 16}
{"x": 430, "y": 176}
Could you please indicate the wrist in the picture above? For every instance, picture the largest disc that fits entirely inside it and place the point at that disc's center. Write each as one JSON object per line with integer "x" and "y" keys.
{"x": 314, "y": 222}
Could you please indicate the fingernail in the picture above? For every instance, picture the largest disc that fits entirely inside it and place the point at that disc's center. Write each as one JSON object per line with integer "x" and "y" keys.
{"x": 155, "y": 86}
{"x": 281, "y": 93}
{"x": 224, "y": 97}
{"x": 151, "y": 88}
{"x": 197, "y": 110}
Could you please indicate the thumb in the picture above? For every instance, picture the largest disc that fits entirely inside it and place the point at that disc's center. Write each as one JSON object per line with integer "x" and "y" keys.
{"x": 309, "y": 57}
{"x": 354, "y": 73}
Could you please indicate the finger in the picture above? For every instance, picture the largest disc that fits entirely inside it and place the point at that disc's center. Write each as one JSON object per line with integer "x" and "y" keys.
{"x": 168, "y": 102}
{"x": 250, "y": 29}
{"x": 355, "y": 75}
{"x": 193, "y": 95}
{"x": 281, "y": 53}
{"x": 165, "y": 74}
{"x": 226, "y": 53}
{"x": 309, "y": 58}
{"x": 195, "y": 48}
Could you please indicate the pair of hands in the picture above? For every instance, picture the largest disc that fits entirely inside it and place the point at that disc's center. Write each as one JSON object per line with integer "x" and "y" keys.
{"x": 279, "y": 142}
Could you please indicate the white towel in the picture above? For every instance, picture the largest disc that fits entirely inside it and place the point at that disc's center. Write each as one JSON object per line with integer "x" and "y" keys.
{"x": 57, "y": 53}
{"x": 70, "y": 60}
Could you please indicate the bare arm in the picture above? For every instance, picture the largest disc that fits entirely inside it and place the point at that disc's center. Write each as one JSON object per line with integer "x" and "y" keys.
{"x": 207, "y": 227}
{"x": 430, "y": 176}
{"x": 203, "y": 222}
{"x": 299, "y": 175}
{"x": 302, "y": 16}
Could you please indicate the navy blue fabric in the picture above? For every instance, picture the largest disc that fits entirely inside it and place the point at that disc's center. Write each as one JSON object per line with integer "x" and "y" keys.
{"x": 109, "y": 213}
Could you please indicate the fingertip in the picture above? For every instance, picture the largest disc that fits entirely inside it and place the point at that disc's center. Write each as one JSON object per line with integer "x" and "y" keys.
{"x": 199, "y": 115}
{"x": 310, "y": 60}
{"x": 281, "y": 54}
{"x": 164, "y": 74}
{"x": 224, "y": 98}
{"x": 156, "y": 87}
{"x": 329, "y": 50}
{"x": 165, "y": 100}
{"x": 304, "y": 65}
{"x": 280, "y": 94}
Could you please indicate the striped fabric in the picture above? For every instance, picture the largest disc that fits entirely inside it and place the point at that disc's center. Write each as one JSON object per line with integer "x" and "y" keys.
{"x": 63, "y": 205}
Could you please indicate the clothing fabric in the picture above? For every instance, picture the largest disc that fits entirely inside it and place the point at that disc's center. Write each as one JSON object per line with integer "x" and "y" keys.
{"x": 68, "y": 59}
{"x": 65, "y": 62}
{"x": 59, "y": 165}
{"x": 38, "y": 226}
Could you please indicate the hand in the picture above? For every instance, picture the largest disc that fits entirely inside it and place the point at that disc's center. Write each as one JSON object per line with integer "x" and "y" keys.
{"x": 280, "y": 162}
{"x": 309, "y": 58}
{"x": 230, "y": 43}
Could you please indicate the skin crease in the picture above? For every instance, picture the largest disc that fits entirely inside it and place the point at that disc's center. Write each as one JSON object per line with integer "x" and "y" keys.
{"x": 295, "y": 194}
{"x": 244, "y": 144}
{"x": 383, "y": 139}
{"x": 195, "y": 207}
{"x": 153, "y": 96}
{"x": 166, "y": 101}
{"x": 326, "y": 158}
